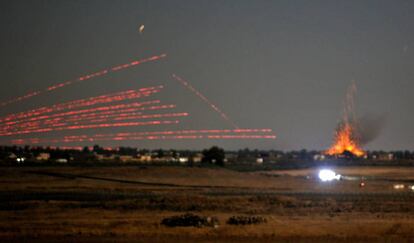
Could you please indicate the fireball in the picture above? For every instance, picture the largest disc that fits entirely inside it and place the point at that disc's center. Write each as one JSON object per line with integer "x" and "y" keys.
{"x": 346, "y": 135}
{"x": 345, "y": 141}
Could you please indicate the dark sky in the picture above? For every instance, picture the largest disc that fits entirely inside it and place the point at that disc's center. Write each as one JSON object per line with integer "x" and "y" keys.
{"x": 283, "y": 65}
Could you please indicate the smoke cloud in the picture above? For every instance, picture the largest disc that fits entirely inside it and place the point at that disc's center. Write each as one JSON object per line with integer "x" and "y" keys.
{"x": 369, "y": 127}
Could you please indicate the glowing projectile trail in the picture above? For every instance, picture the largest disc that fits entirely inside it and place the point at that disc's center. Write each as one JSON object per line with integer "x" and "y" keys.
{"x": 136, "y": 106}
{"x": 57, "y": 125}
{"x": 99, "y": 115}
{"x": 83, "y": 78}
{"x": 45, "y": 118}
{"x": 241, "y": 137}
{"x": 172, "y": 137}
{"x": 188, "y": 137}
{"x": 202, "y": 97}
{"x": 119, "y": 96}
{"x": 202, "y": 131}
{"x": 159, "y": 135}
{"x": 184, "y": 132}
{"x": 108, "y": 98}
{"x": 92, "y": 126}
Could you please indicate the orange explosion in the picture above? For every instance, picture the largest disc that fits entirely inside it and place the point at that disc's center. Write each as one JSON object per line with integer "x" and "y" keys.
{"x": 346, "y": 135}
{"x": 344, "y": 142}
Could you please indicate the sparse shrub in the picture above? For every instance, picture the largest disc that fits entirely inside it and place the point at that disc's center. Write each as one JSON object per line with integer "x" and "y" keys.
{"x": 394, "y": 229}
{"x": 284, "y": 201}
{"x": 245, "y": 220}
{"x": 190, "y": 220}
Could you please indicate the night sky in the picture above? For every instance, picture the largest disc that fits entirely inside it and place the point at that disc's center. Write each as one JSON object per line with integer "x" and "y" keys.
{"x": 283, "y": 65}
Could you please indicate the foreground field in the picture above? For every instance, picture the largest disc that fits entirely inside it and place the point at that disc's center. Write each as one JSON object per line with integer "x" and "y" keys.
{"x": 106, "y": 204}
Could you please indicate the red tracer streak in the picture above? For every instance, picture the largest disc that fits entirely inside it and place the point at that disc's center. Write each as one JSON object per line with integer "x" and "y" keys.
{"x": 204, "y": 98}
{"x": 107, "y": 98}
{"x": 172, "y": 134}
{"x": 84, "y": 78}
{"x": 64, "y": 123}
{"x": 93, "y": 126}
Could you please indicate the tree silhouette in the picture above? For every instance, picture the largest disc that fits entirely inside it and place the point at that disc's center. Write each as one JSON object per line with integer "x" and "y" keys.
{"x": 214, "y": 155}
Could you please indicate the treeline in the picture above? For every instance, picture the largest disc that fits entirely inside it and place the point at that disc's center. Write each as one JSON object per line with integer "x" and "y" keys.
{"x": 213, "y": 155}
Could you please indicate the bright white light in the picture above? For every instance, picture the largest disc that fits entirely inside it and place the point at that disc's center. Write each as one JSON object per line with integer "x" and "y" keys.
{"x": 399, "y": 186}
{"x": 328, "y": 175}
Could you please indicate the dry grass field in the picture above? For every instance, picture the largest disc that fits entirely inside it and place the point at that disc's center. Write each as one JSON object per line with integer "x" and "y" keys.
{"x": 124, "y": 204}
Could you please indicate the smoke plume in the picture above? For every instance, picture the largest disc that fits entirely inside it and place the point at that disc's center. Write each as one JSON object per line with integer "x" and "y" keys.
{"x": 369, "y": 127}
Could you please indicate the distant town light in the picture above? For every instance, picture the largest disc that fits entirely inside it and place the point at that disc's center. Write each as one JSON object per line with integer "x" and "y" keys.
{"x": 399, "y": 186}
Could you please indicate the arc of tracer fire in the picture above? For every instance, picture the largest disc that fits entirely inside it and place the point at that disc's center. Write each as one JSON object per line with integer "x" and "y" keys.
{"x": 223, "y": 115}
{"x": 83, "y": 78}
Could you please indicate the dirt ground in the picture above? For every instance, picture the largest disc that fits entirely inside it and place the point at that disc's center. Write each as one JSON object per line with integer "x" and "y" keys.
{"x": 124, "y": 204}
